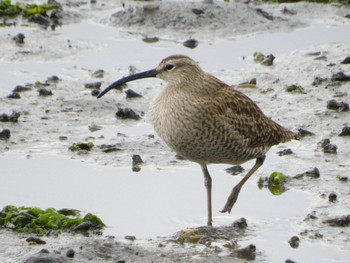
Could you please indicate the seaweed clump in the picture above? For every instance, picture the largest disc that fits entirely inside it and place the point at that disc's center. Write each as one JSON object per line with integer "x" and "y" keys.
{"x": 43, "y": 222}
{"x": 275, "y": 183}
{"x": 46, "y": 14}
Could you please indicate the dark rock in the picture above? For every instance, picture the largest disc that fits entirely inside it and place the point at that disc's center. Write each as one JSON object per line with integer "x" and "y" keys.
{"x": 314, "y": 173}
{"x": 44, "y": 251}
{"x": 36, "y": 240}
{"x": 234, "y": 170}
{"x": 106, "y": 148}
{"x": 10, "y": 118}
{"x": 303, "y": 133}
{"x": 93, "y": 85}
{"x": 190, "y": 43}
{"x": 197, "y": 11}
{"x": 98, "y": 73}
{"x": 20, "y": 88}
{"x": 289, "y": 261}
{"x": 345, "y": 131}
{"x": 240, "y": 223}
{"x": 346, "y": 61}
{"x": 127, "y": 113}
{"x": 131, "y": 238}
{"x": 294, "y": 241}
{"x": 313, "y": 54}
{"x": 5, "y": 134}
{"x": 340, "y": 76}
{"x": 19, "y": 38}
{"x": 324, "y": 142}
{"x": 95, "y": 92}
{"x": 330, "y": 148}
{"x": 136, "y": 162}
{"x": 264, "y": 14}
{"x": 285, "y": 152}
{"x": 341, "y": 221}
{"x": 52, "y": 79}
{"x": 44, "y": 92}
{"x": 247, "y": 253}
{"x": 14, "y": 95}
{"x": 70, "y": 253}
{"x": 332, "y": 197}
{"x": 339, "y": 106}
{"x": 83, "y": 227}
{"x": 150, "y": 39}
{"x": 130, "y": 94}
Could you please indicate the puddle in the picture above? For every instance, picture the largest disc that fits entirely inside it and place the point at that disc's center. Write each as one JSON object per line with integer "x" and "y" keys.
{"x": 156, "y": 202}
{"x": 110, "y": 50}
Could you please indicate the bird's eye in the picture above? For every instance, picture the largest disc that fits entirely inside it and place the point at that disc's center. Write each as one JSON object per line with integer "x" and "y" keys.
{"x": 169, "y": 67}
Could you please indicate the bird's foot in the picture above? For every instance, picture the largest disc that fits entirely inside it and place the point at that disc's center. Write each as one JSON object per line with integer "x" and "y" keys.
{"x": 231, "y": 200}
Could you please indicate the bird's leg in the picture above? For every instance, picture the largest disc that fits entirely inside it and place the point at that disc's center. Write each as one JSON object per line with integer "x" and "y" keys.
{"x": 231, "y": 200}
{"x": 207, "y": 183}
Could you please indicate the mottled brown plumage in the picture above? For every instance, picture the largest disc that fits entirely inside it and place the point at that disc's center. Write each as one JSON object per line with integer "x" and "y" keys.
{"x": 207, "y": 121}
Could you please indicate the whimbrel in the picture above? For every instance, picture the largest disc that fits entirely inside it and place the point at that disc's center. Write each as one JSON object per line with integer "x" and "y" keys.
{"x": 207, "y": 121}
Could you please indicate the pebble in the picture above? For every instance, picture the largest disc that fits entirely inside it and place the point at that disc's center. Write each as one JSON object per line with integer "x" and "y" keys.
{"x": 5, "y": 134}
{"x": 14, "y": 95}
{"x": 314, "y": 173}
{"x": 35, "y": 240}
{"x": 44, "y": 92}
{"x": 20, "y": 88}
{"x": 10, "y": 118}
{"x": 95, "y": 92}
{"x": 197, "y": 11}
{"x": 127, "y": 113}
{"x": 130, "y": 94}
{"x": 191, "y": 43}
{"x": 335, "y": 105}
{"x": 70, "y": 253}
{"x": 136, "y": 163}
{"x": 345, "y": 131}
{"x": 340, "y": 76}
{"x": 98, "y": 73}
{"x": 303, "y": 133}
{"x": 19, "y": 38}
{"x": 332, "y": 197}
{"x": 129, "y": 237}
{"x": 294, "y": 241}
{"x": 93, "y": 85}
{"x": 285, "y": 152}
{"x": 346, "y": 61}
{"x": 150, "y": 39}
{"x": 330, "y": 148}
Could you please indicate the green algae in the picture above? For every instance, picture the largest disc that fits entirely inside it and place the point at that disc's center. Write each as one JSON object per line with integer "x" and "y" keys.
{"x": 42, "y": 222}
{"x": 9, "y": 10}
{"x": 275, "y": 183}
{"x": 81, "y": 146}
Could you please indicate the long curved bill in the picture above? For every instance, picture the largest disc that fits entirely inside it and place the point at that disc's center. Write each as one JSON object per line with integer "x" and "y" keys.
{"x": 146, "y": 74}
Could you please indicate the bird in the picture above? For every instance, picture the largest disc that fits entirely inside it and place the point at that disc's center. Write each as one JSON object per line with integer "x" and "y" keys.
{"x": 208, "y": 121}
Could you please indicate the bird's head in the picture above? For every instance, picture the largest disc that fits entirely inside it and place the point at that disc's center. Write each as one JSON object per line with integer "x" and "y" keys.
{"x": 173, "y": 68}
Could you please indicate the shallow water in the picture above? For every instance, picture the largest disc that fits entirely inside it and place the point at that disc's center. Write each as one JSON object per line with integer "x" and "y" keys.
{"x": 160, "y": 202}
{"x": 109, "y": 49}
